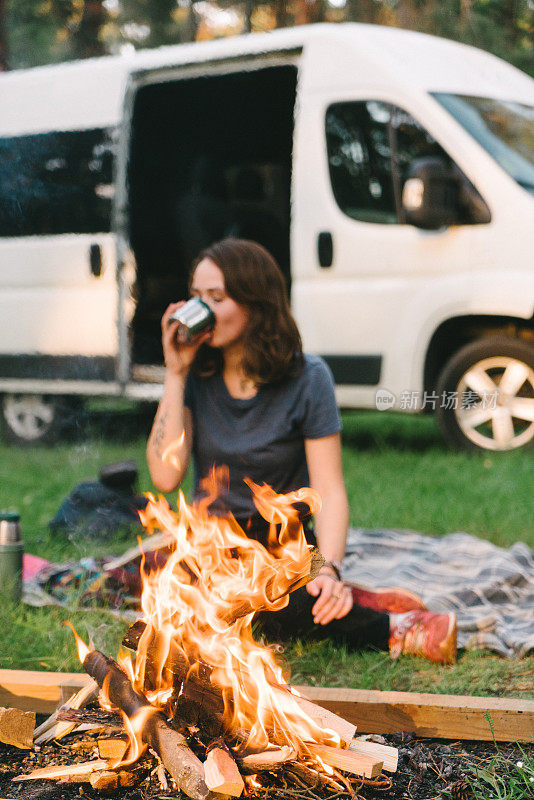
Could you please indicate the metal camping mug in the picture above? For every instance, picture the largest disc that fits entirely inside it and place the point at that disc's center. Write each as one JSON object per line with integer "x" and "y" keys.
{"x": 195, "y": 317}
{"x": 11, "y": 552}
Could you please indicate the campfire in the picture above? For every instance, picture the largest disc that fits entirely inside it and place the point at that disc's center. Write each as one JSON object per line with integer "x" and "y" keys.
{"x": 212, "y": 703}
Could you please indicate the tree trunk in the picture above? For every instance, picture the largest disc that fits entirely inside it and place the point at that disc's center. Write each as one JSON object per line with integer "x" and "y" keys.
{"x": 86, "y": 38}
{"x": 280, "y": 10}
{"x": 4, "y": 60}
{"x": 249, "y": 10}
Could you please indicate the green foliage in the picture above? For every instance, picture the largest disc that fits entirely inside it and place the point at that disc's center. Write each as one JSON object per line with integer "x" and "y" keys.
{"x": 480, "y": 673}
{"x": 398, "y": 473}
{"x": 151, "y": 23}
{"x": 503, "y": 779}
{"x": 37, "y": 638}
{"x": 37, "y": 31}
{"x": 45, "y": 31}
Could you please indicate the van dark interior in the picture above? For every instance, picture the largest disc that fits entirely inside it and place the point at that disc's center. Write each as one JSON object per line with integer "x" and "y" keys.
{"x": 210, "y": 157}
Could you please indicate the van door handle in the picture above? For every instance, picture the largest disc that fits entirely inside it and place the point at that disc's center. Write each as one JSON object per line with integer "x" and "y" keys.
{"x": 95, "y": 260}
{"x": 325, "y": 249}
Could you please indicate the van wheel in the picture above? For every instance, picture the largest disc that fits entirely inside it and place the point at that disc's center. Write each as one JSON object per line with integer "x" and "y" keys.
{"x": 486, "y": 396}
{"x": 30, "y": 419}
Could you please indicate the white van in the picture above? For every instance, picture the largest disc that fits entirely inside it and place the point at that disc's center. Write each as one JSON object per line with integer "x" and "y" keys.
{"x": 390, "y": 172}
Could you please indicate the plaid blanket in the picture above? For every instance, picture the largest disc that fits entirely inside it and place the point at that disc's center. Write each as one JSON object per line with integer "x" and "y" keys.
{"x": 490, "y": 588}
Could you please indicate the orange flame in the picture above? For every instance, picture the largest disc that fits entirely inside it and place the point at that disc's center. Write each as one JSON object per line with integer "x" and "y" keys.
{"x": 134, "y": 728}
{"x": 170, "y": 454}
{"x": 83, "y": 650}
{"x": 214, "y": 574}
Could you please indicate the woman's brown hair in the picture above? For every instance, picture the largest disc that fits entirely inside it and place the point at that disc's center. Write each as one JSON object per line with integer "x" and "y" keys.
{"x": 272, "y": 343}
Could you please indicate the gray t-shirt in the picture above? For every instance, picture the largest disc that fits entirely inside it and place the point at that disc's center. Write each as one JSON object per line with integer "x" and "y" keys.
{"x": 261, "y": 438}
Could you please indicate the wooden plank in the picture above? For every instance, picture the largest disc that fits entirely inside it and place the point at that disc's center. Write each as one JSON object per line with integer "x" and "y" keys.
{"x": 36, "y": 691}
{"x": 433, "y": 715}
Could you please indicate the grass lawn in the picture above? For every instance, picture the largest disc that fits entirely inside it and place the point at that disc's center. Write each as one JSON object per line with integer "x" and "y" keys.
{"x": 398, "y": 474}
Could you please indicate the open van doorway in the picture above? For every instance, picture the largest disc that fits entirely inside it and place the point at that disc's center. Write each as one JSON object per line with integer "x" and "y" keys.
{"x": 210, "y": 157}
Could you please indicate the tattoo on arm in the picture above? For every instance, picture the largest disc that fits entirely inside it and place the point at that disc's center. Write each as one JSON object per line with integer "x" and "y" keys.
{"x": 158, "y": 434}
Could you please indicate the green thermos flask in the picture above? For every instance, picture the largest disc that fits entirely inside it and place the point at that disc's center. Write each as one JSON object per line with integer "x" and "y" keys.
{"x": 11, "y": 552}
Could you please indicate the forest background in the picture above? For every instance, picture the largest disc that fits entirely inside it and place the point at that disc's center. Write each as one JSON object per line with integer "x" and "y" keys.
{"x": 34, "y": 32}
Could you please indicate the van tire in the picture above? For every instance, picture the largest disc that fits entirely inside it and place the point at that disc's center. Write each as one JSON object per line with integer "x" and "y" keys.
{"x": 483, "y": 419}
{"x": 27, "y": 420}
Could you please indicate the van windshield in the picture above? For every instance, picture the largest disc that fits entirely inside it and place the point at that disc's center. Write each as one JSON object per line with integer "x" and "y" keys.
{"x": 502, "y": 127}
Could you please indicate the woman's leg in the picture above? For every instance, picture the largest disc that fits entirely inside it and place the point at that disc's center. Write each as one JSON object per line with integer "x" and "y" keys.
{"x": 360, "y": 628}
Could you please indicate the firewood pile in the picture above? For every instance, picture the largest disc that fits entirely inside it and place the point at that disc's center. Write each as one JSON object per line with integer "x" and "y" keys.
{"x": 190, "y": 757}
{"x": 209, "y": 704}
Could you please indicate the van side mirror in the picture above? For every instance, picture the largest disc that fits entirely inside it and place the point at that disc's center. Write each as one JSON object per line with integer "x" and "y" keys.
{"x": 431, "y": 194}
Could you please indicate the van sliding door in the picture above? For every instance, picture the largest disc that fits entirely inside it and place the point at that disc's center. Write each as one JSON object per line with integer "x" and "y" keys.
{"x": 58, "y": 300}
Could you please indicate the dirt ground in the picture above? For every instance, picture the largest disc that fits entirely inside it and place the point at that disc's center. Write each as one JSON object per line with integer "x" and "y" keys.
{"x": 426, "y": 768}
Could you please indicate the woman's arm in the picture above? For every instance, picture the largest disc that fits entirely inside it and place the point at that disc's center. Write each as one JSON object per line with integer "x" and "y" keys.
{"x": 172, "y": 432}
{"x": 172, "y": 428}
{"x": 323, "y": 457}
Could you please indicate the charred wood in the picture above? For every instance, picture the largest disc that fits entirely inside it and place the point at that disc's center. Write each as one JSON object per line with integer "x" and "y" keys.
{"x": 98, "y": 716}
{"x": 186, "y": 769}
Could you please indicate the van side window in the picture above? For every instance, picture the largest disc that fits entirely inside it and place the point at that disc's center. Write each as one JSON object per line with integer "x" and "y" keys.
{"x": 58, "y": 182}
{"x": 370, "y": 147}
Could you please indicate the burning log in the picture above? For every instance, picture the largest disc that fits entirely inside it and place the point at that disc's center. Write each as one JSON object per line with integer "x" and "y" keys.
{"x": 186, "y": 769}
{"x": 310, "y": 570}
{"x": 177, "y": 663}
{"x": 96, "y": 716}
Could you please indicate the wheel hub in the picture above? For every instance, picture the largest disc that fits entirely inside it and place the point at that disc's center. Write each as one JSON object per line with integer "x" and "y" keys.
{"x": 28, "y": 416}
{"x": 500, "y": 415}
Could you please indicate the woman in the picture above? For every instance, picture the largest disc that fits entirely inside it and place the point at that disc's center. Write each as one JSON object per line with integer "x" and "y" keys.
{"x": 246, "y": 397}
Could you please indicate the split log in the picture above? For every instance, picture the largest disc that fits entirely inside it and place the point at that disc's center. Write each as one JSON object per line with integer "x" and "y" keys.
{"x": 112, "y": 779}
{"x": 63, "y": 771}
{"x": 16, "y": 727}
{"x": 112, "y": 749}
{"x": 186, "y": 769}
{"x": 156, "y": 541}
{"x": 325, "y": 718}
{"x": 202, "y": 705}
{"x": 346, "y": 760}
{"x": 382, "y": 752}
{"x": 52, "y": 728}
{"x": 266, "y": 761}
{"x": 222, "y": 774}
